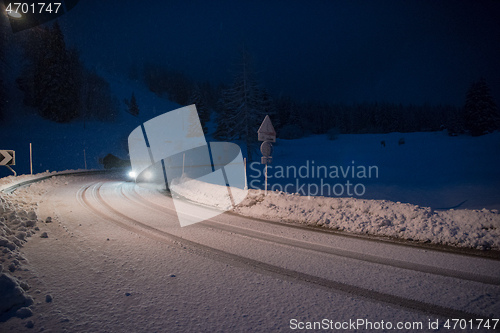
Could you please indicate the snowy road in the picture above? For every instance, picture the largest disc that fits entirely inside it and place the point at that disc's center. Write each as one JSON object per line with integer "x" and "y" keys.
{"x": 117, "y": 260}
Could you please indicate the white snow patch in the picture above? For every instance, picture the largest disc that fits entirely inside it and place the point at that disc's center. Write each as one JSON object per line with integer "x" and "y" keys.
{"x": 18, "y": 222}
{"x": 207, "y": 194}
{"x": 465, "y": 228}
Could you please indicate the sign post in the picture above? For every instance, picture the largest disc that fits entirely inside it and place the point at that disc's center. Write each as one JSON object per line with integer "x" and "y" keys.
{"x": 8, "y": 158}
{"x": 267, "y": 134}
{"x": 245, "y": 167}
{"x": 31, "y": 159}
{"x": 85, "y": 159}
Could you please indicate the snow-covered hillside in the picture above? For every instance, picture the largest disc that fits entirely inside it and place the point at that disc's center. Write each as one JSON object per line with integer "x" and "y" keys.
{"x": 60, "y": 147}
{"x": 429, "y": 169}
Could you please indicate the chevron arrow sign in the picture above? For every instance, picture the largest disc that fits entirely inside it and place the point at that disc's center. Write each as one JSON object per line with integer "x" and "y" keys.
{"x": 7, "y": 157}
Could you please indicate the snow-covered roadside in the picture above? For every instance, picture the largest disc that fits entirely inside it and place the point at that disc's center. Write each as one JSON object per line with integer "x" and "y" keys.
{"x": 466, "y": 228}
{"x": 478, "y": 229}
{"x": 13, "y": 180}
{"x": 19, "y": 222}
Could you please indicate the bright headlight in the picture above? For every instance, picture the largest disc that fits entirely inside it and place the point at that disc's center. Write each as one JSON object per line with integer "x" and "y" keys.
{"x": 132, "y": 174}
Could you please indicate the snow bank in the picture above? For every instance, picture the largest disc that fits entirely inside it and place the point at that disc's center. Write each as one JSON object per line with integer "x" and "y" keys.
{"x": 18, "y": 222}
{"x": 12, "y": 294}
{"x": 465, "y": 228}
{"x": 206, "y": 194}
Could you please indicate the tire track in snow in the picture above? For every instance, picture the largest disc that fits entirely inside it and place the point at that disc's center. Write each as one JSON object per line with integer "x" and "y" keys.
{"x": 463, "y": 251}
{"x": 491, "y": 254}
{"x": 108, "y": 213}
{"x": 137, "y": 199}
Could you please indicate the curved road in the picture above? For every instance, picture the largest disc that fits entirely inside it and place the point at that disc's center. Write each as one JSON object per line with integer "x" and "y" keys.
{"x": 117, "y": 260}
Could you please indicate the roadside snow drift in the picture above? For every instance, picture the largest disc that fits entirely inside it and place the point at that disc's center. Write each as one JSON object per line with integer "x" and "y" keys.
{"x": 209, "y": 194}
{"x": 465, "y": 228}
{"x": 18, "y": 222}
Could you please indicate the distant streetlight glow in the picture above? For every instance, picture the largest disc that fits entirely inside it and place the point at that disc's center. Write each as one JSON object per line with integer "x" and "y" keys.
{"x": 132, "y": 174}
{"x": 14, "y": 14}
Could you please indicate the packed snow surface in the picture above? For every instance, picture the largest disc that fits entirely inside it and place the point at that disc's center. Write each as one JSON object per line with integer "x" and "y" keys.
{"x": 124, "y": 280}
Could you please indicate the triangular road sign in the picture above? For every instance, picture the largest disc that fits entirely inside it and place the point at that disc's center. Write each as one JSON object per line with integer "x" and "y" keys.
{"x": 266, "y": 131}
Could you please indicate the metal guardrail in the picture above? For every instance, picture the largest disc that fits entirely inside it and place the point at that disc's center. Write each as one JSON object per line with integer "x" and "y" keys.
{"x": 14, "y": 187}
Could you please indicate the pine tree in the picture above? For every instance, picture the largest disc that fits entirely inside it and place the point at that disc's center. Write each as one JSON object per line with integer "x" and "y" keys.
{"x": 283, "y": 108}
{"x": 132, "y": 106}
{"x": 75, "y": 71}
{"x": 49, "y": 81}
{"x": 268, "y": 107}
{"x": 199, "y": 100}
{"x": 56, "y": 83}
{"x": 294, "y": 117}
{"x": 58, "y": 90}
{"x": 3, "y": 63}
{"x": 194, "y": 125}
{"x": 223, "y": 129}
{"x": 480, "y": 111}
{"x": 30, "y": 81}
{"x": 210, "y": 95}
{"x": 241, "y": 108}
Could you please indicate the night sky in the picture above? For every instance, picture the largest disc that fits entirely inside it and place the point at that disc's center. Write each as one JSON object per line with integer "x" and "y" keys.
{"x": 333, "y": 51}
